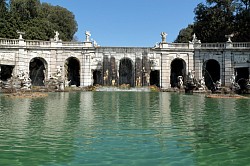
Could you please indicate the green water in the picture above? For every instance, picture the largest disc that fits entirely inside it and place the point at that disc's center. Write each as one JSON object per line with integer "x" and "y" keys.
{"x": 124, "y": 128}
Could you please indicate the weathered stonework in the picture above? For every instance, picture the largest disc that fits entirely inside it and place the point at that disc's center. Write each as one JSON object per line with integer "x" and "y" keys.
{"x": 93, "y": 64}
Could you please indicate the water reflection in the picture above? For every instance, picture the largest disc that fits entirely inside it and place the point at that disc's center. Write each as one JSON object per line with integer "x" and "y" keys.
{"x": 124, "y": 128}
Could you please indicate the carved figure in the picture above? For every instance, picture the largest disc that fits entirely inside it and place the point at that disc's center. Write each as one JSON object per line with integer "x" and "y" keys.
{"x": 56, "y": 37}
{"x": 88, "y": 34}
{"x": 229, "y": 37}
{"x": 202, "y": 84}
{"x": 232, "y": 79}
{"x": 163, "y": 37}
{"x": 218, "y": 85}
{"x": 180, "y": 82}
{"x": 20, "y": 34}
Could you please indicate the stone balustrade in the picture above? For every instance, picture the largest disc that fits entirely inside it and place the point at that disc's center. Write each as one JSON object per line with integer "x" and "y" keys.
{"x": 39, "y": 43}
{"x": 241, "y": 45}
{"x": 9, "y": 42}
{"x": 178, "y": 45}
{"x": 213, "y": 45}
{"x": 74, "y": 44}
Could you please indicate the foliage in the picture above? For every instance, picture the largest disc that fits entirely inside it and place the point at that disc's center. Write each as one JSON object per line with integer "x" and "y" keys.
{"x": 218, "y": 18}
{"x": 38, "y": 21}
{"x": 185, "y": 35}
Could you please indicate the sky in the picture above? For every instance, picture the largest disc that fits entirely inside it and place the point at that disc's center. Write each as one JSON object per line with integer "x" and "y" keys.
{"x": 129, "y": 23}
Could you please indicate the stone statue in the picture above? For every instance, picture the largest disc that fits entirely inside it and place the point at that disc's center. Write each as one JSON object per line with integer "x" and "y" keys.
{"x": 88, "y": 34}
{"x": 59, "y": 71}
{"x": 20, "y": 34}
{"x": 218, "y": 85}
{"x": 232, "y": 79}
{"x": 56, "y": 37}
{"x": 180, "y": 82}
{"x": 229, "y": 38}
{"x": 202, "y": 84}
{"x": 163, "y": 37}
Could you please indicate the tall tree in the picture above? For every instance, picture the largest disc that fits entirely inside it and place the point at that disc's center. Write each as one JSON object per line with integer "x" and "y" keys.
{"x": 185, "y": 34}
{"x": 64, "y": 21}
{"x": 39, "y": 21}
{"x": 3, "y": 9}
{"x": 214, "y": 21}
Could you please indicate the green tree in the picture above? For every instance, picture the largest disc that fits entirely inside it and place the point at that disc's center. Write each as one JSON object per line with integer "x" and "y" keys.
{"x": 38, "y": 21}
{"x": 63, "y": 20}
{"x": 242, "y": 21}
{"x": 214, "y": 21}
{"x": 24, "y": 9}
{"x": 218, "y": 18}
{"x": 3, "y": 9}
{"x": 185, "y": 34}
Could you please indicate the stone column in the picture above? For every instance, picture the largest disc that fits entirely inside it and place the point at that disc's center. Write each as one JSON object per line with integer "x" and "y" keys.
{"x": 22, "y": 60}
{"x": 86, "y": 75}
{"x": 165, "y": 71}
{"x": 229, "y": 68}
{"x": 198, "y": 64}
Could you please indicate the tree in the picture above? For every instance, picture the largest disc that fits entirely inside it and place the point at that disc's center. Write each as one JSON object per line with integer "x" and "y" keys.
{"x": 213, "y": 22}
{"x": 185, "y": 34}
{"x": 218, "y": 18}
{"x": 63, "y": 20}
{"x": 38, "y": 21}
{"x": 24, "y": 9}
{"x": 3, "y": 9}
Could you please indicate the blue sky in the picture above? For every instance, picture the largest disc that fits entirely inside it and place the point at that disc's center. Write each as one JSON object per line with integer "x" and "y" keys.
{"x": 130, "y": 22}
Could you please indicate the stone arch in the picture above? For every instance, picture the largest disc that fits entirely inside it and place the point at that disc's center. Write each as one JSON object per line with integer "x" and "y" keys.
{"x": 72, "y": 71}
{"x": 242, "y": 76}
{"x": 37, "y": 71}
{"x": 6, "y": 72}
{"x": 126, "y": 72}
{"x": 178, "y": 68}
{"x": 211, "y": 73}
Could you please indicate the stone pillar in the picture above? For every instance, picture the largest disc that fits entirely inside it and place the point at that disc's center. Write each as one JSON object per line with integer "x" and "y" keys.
{"x": 22, "y": 60}
{"x": 165, "y": 71}
{"x": 198, "y": 64}
{"x": 229, "y": 68}
{"x": 86, "y": 75}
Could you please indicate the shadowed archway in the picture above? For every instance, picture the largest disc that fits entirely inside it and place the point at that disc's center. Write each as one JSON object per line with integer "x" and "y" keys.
{"x": 6, "y": 72}
{"x": 242, "y": 76}
{"x": 211, "y": 73}
{"x": 72, "y": 71}
{"x": 126, "y": 74}
{"x": 178, "y": 68}
{"x": 37, "y": 70}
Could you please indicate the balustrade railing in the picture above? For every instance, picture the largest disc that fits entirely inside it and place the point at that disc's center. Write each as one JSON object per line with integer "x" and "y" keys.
{"x": 178, "y": 45}
{"x": 241, "y": 45}
{"x": 213, "y": 45}
{"x": 9, "y": 42}
{"x": 38, "y": 43}
{"x": 75, "y": 44}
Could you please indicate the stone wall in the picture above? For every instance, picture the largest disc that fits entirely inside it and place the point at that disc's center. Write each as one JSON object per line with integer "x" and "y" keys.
{"x": 230, "y": 56}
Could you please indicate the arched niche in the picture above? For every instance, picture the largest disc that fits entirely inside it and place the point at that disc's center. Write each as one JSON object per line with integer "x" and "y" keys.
{"x": 126, "y": 72}
{"x": 178, "y": 68}
{"x": 211, "y": 72}
{"x": 72, "y": 71}
{"x": 37, "y": 71}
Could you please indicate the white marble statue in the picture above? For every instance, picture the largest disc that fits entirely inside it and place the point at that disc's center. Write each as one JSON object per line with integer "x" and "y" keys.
{"x": 88, "y": 34}
{"x": 20, "y": 34}
{"x": 163, "y": 37}
{"x": 56, "y": 37}
{"x": 232, "y": 79}
{"x": 180, "y": 82}
{"x": 229, "y": 37}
